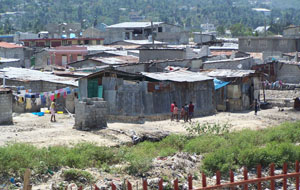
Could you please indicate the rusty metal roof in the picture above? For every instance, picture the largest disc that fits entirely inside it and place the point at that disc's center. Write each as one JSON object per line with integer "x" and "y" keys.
{"x": 177, "y": 76}
{"x": 9, "y": 45}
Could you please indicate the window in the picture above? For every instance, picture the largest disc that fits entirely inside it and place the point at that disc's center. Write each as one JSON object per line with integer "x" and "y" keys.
{"x": 64, "y": 60}
{"x": 98, "y": 42}
{"x": 79, "y": 57}
{"x": 160, "y": 29}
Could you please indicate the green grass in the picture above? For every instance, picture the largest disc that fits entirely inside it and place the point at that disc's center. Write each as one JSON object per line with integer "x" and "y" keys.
{"x": 221, "y": 152}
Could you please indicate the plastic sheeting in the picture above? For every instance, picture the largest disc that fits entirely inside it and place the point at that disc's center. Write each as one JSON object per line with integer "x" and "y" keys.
{"x": 219, "y": 84}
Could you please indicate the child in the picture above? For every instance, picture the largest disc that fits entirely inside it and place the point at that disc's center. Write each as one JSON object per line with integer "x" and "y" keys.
{"x": 182, "y": 113}
{"x": 176, "y": 112}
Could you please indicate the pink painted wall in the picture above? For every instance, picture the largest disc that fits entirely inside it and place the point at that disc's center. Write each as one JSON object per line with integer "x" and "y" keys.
{"x": 71, "y": 52}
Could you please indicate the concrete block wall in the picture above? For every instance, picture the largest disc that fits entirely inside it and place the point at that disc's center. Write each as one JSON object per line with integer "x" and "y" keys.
{"x": 5, "y": 108}
{"x": 90, "y": 113}
{"x": 288, "y": 73}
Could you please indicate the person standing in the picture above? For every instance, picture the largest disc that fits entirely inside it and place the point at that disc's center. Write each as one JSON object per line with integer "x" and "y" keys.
{"x": 172, "y": 110}
{"x": 182, "y": 113}
{"x": 52, "y": 110}
{"x": 191, "y": 111}
{"x": 176, "y": 113}
{"x": 256, "y": 106}
{"x": 186, "y": 110}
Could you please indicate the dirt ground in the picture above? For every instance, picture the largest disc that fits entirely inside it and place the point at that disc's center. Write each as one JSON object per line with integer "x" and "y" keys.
{"x": 41, "y": 132}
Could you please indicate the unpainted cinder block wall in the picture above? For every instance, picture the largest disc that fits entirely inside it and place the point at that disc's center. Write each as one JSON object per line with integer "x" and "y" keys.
{"x": 6, "y": 108}
{"x": 90, "y": 113}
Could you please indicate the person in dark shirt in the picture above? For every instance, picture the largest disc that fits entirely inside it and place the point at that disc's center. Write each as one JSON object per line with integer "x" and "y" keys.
{"x": 186, "y": 110}
{"x": 191, "y": 111}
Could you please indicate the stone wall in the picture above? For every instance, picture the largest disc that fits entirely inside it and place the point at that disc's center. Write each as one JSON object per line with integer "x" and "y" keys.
{"x": 261, "y": 44}
{"x": 90, "y": 113}
{"x": 5, "y": 107}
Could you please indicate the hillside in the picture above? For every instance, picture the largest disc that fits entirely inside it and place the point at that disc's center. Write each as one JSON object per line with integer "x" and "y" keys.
{"x": 34, "y": 14}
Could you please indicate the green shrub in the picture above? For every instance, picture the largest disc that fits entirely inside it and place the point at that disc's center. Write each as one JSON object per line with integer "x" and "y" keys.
{"x": 76, "y": 175}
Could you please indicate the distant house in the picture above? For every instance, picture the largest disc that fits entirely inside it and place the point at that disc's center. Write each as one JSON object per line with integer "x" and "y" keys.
{"x": 13, "y": 51}
{"x": 67, "y": 30}
{"x": 202, "y": 38}
{"x": 6, "y": 38}
{"x": 55, "y": 42}
{"x": 164, "y": 32}
{"x": 261, "y": 29}
{"x": 292, "y": 31}
{"x": 61, "y": 56}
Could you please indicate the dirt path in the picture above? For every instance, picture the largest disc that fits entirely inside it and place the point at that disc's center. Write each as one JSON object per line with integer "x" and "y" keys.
{"x": 41, "y": 132}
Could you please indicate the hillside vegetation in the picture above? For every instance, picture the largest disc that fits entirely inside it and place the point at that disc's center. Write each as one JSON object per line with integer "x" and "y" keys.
{"x": 188, "y": 13}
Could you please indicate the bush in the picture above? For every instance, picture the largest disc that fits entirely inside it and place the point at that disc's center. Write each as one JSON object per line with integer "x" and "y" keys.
{"x": 197, "y": 128}
{"x": 77, "y": 175}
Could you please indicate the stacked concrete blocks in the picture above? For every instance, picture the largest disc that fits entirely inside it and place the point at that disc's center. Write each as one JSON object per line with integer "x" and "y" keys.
{"x": 90, "y": 114}
{"x": 5, "y": 107}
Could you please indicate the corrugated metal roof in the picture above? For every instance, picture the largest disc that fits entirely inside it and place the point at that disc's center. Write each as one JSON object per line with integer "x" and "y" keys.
{"x": 117, "y": 59}
{"x": 22, "y": 74}
{"x": 134, "y": 24}
{"x": 8, "y": 60}
{"x": 178, "y": 76}
{"x": 228, "y": 73}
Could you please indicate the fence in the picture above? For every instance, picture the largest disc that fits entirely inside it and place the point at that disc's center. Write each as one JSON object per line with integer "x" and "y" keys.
{"x": 232, "y": 184}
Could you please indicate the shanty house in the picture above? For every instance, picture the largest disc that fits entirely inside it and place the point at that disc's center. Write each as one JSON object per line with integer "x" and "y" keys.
{"x": 149, "y": 94}
{"x": 241, "y": 91}
{"x": 164, "y": 32}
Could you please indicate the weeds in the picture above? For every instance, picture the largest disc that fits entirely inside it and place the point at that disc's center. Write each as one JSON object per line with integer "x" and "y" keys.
{"x": 197, "y": 128}
{"x": 221, "y": 150}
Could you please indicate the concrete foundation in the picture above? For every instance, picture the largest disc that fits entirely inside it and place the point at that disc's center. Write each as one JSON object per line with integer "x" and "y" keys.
{"x": 90, "y": 113}
{"x": 5, "y": 107}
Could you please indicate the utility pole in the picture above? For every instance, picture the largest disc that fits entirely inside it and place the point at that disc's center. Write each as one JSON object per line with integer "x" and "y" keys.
{"x": 152, "y": 34}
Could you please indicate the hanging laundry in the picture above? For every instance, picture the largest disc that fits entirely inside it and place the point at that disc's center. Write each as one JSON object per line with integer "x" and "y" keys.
{"x": 52, "y": 97}
{"x": 38, "y": 101}
{"x": 21, "y": 99}
{"x": 58, "y": 95}
{"x": 55, "y": 96}
{"x": 65, "y": 94}
{"x": 43, "y": 100}
{"x": 28, "y": 104}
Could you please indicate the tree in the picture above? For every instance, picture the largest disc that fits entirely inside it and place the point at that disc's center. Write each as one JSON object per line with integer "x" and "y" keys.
{"x": 221, "y": 30}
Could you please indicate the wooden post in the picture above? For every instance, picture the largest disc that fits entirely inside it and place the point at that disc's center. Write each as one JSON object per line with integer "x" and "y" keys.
{"x": 297, "y": 178}
{"x": 231, "y": 174}
{"x": 258, "y": 171}
{"x": 129, "y": 186}
{"x": 27, "y": 185}
{"x": 113, "y": 186}
{"x": 218, "y": 176}
{"x": 245, "y": 178}
{"x": 203, "y": 180}
{"x": 285, "y": 168}
{"x": 160, "y": 185}
{"x": 190, "y": 180}
{"x": 176, "y": 187}
{"x": 145, "y": 184}
{"x": 272, "y": 169}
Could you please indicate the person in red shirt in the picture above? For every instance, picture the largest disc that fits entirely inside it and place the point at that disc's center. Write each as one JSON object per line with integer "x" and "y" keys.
{"x": 172, "y": 110}
{"x": 191, "y": 111}
{"x": 175, "y": 111}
